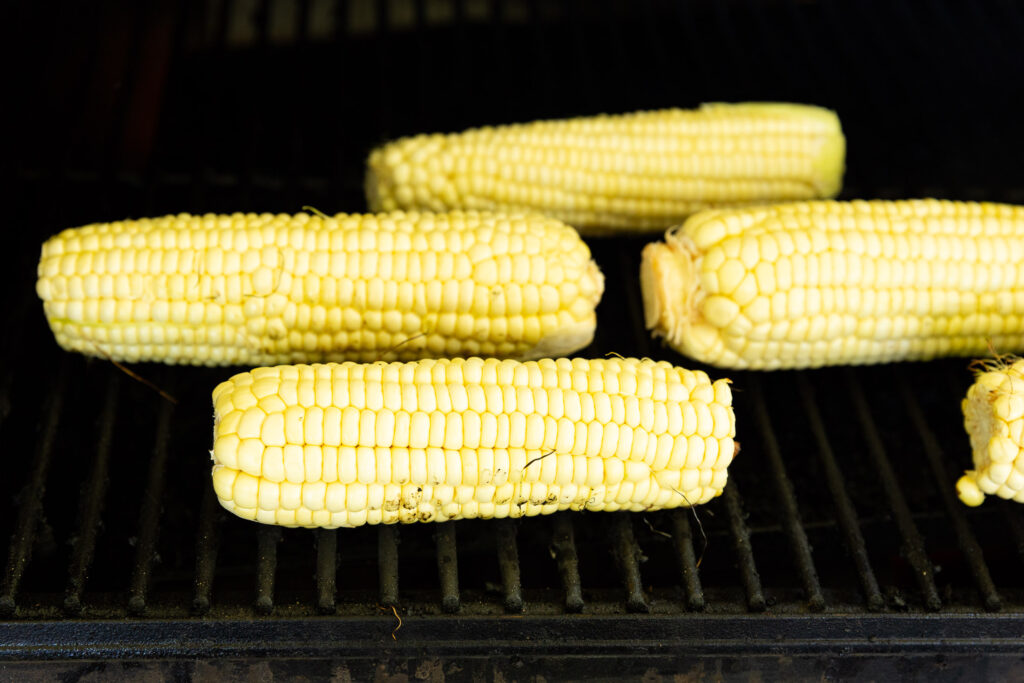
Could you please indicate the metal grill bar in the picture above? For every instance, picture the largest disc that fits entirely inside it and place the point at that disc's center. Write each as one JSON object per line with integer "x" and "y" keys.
{"x": 682, "y": 539}
{"x": 18, "y": 312}
{"x": 846, "y": 514}
{"x": 1012, "y": 515}
{"x": 682, "y": 543}
{"x": 207, "y": 541}
{"x": 267, "y": 539}
{"x": 326, "y": 570}
{"x": 31, "y": 506}
{"x": 627, "y": 554}
{"x": 564, "y": 546}
{"x": 93, "y": 499}
{"x": 508, "y": 564}
{"x": 968, "y": 543}
{"x": 913, "y": 545}
{"x": 791, "y": 523}
{"x": 149, "y": 531}
{"x": 448, "y": 567}
{"x": 387, "y": 564}
{"x": 744, "y": 550}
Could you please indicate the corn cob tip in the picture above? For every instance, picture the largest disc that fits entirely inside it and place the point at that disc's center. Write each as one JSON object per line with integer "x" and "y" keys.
{"x": 807, "y": 284}
{"x": 829, "y": 159}
{"x": 994, "y": 420}
{"x": 372, "y": 182}
{"x": 671, "y": 296}
{"x": 830, "y": 165}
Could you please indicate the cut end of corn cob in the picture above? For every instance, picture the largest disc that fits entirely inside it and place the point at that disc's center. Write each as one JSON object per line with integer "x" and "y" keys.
{"x": 341, "y": 445}
{"x": 669, "y": 285}
{"x": 808, "y": 284}
{"x": 250, "y": 289}
{"x": 641, "y": 171}
{"x": 994, "y": 420}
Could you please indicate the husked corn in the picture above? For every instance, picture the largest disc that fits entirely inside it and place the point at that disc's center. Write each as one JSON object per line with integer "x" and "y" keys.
{"x": 252, "y": 289}
{"x": 808, "y": 284}
{"x": 642, "y": 171}
{"x": 994, "y": 420}
{"x": 340, "y": 445}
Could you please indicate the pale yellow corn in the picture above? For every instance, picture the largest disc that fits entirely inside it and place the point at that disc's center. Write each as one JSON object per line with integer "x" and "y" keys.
{"x": 994, "y": 419}
{"x": 819, "y": 283}
{"x": 340, "y": 445}
{"x": 643, "y": 171}
{"x": 252, "y": 289}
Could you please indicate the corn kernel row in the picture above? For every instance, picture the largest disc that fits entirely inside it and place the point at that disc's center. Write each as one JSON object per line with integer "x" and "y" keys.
{"x": 262, "y": 289}
{"x": 347, "y": 444}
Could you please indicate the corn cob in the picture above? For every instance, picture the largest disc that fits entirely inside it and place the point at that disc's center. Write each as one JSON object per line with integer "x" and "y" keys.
{"x": 643, "y": 171}
{"x": 818, "y": 283}
{"x": 253, "y": 289}
{"x": 994, "y": 419}
{"x": 341, "y": 445}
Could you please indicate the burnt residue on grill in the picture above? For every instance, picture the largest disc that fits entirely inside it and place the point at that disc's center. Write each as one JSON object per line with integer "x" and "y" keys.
{"x": 839, "y": 529}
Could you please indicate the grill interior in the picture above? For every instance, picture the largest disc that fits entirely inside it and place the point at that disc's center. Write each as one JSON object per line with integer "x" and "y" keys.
{"x": 840, "y": 522}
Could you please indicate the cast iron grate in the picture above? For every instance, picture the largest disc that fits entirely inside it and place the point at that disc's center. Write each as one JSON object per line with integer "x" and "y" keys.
{"x": 840, "y": 505}
{"x": 838, "y": 467}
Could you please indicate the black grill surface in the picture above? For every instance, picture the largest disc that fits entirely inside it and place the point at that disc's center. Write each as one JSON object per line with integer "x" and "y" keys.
{"x": 839, "y": 542}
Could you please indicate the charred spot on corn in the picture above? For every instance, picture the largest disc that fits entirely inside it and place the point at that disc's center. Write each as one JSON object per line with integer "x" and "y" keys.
{"x": 341, "y": 445}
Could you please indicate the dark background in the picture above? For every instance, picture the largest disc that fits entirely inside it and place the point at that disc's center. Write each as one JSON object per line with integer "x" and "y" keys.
{"x": 131, "y": 108}
{"x": 134, "y": 109}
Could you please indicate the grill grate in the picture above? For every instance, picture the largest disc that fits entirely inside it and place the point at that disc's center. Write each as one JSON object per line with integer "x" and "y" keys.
{"x": 839, "y": 527}
{"x": 894, "y": 520}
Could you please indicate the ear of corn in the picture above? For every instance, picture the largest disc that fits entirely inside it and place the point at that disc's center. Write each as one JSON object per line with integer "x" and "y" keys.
{"x": 642, "y": 171}
{"x": 818, "y": 283}
{"x": 253, "y": 289}
{"x": 348, "y": 444}
{"x": 994, "y": 419}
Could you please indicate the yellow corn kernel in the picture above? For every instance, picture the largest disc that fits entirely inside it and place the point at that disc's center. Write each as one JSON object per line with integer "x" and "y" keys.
{"x": 527, "y": 462}
{"x": 250, "y": 289}
{"x": 641, "y": 172}
{"x": 994, "y": 419}
{"x": 809, "y": 284}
